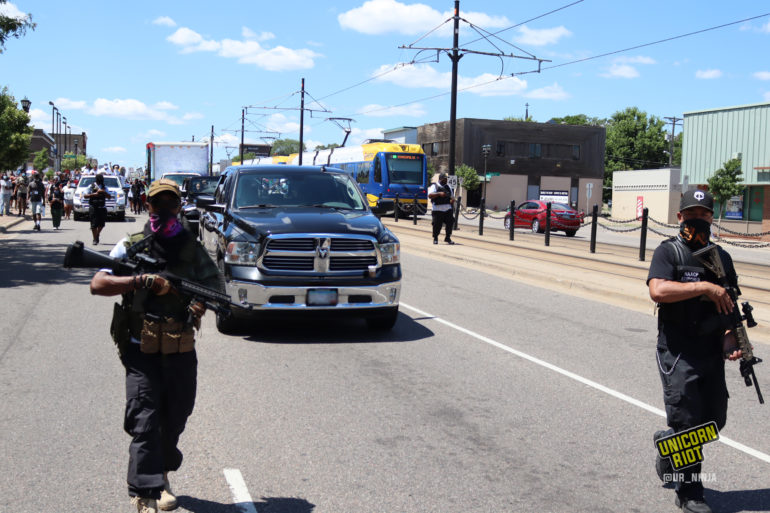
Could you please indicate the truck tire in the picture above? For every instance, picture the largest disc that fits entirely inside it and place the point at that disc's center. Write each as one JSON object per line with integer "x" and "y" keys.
{"x": 384, "y": 321}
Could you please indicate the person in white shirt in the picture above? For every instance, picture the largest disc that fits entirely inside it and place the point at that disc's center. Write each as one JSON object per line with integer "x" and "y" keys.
{"x": 441, "y": 196}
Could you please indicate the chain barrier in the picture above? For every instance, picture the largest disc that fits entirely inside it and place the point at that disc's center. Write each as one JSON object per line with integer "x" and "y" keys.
{"x": 624, "y": 221}
{"x": 743, "y": 234}
{"x": 660, "y": 223}
{"x": 620, "y": 230}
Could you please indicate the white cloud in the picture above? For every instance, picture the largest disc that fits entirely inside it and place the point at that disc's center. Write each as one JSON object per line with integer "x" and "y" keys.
{"x": 114, "y": 149}
{"x": 192, "y": 115}
{"x": 40, "y": 118}
{"x": 765, "y": 27}
{"x": 551, "y": 92}
{"x": 621, "y": 67}
{"x": 375, "y": 110}
{"x": 359, "y": 135}
{"x": 708, "y": 74}
{"x": 67, "y": 104}
{"x": 638, "y": 59}
{"x": 248, "y": 51}
{"x": 165, "y": 21}
{"x": 376, "y": 17}
{"x": 280, "y": 123}
{"x": 762, "y": 75}
{"x": 247, "y": 33}
{"x": 426, "y": 76}
{"x": 541, "y": 37}
{"x": 11, "y": 11}
{"x": 165, "y": 106}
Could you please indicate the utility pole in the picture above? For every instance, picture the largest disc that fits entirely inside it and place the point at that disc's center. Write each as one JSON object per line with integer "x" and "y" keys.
{"x": 526, "y": 112}
{"x": 211, "y": 152}
{"x": 672, "y": 121}
{"x": 193, "y": 139}
{"x": 455, "y": 54}
{"x": 301, "y": 120}
{"x": 455, "y": 57}
{"x": 243, "y": 130}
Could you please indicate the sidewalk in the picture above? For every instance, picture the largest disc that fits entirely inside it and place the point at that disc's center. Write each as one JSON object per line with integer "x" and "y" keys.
{"x": 614, "y": 274}
{"x": 9, "y": 221}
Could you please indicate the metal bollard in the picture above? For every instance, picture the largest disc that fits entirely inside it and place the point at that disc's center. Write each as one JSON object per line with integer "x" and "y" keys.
{"x": 395, "y": 211}
{"x": 643, "y": 241}
{"x": 482, "y": 210}
{"x": 414, "y": 210}
{"x": 513, "y": 221}
{"x": 458, "y": 203}
{"x": 594, "y": 214}
{"x": 548, "y": 224}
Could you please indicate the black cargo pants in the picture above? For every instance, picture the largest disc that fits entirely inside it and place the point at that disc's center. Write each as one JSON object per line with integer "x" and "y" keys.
{"x": 694, "y": 392}
{"x": 160, "y": 396}
{"x": 443, "y": 218}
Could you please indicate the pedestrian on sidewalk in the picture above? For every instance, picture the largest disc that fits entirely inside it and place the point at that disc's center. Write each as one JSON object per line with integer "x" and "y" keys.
{"x": 6, "y": 190}
{"x": 21, "y": 195}
{"x": 97, "y": 206}
{"x": 37, "y": 200}
{"x": 693, "y": 341}
{"x": 56, "y": 201}
{"x": 441, "y": 196}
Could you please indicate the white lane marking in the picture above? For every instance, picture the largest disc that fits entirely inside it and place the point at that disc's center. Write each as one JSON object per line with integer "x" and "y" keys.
{"x": 593, "y": 384}
{"x": 241, "y": 495}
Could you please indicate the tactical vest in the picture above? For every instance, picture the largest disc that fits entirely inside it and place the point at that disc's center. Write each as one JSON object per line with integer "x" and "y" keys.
{"x": 98, "y": 201}
{"x": 695, "y": 316}
{"x": 442, "y": 200}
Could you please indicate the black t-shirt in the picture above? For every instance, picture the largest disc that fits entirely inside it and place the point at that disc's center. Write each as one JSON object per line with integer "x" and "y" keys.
{"x": 678, "y": 323}
{"x": 56, "y": 197}
{"x": 36, "y": 191}
{"x": 97, "y": 201}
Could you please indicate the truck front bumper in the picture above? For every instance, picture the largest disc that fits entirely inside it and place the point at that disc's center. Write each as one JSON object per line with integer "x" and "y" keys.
{"x": 258, "y": 297}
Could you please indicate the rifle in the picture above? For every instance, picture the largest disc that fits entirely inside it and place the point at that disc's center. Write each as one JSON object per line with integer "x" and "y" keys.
{"x": 137, "y": 262}
{"x": 709, "y": 257}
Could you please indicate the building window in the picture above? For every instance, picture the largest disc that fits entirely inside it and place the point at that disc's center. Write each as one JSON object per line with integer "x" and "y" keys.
{"x": 500, "y": 148}
{"x": 576, "y": 152}
{"x": 535, "y": 150}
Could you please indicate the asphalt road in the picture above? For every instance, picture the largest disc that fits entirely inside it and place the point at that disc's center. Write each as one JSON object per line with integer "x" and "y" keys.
{"x": 488, "y": 396}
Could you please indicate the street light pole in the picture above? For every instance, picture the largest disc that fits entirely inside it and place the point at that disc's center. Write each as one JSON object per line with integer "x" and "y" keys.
{"x": 64, "y": 135}
{"x": 25, "y": 105}
{"x": 57, "y": 135}
{"x": 485, "y": 151}
{"x": 54, "y": 110}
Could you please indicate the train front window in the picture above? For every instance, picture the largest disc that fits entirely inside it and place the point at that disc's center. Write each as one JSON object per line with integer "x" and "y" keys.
{"x": 405, "y": 169}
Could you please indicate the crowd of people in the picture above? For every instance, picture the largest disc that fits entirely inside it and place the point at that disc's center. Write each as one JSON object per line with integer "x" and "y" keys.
{"x": 32, "y": 191}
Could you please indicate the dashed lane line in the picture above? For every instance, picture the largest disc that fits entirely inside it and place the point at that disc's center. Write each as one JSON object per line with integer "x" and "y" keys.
{"x": 593, "y": 384}
{"x": 241, "y": 496}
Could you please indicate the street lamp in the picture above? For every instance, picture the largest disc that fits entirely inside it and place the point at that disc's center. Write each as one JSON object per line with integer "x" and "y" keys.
{"x": 485, "y": 151}
{"x": 54, "y": 112}
{"x": 64, "y": 134}
{"x": 25, "y": 104}
{"x": 69, "y": 136}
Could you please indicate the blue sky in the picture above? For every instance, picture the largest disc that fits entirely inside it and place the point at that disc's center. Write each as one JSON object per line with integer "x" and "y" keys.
{"x": 128, "y": 73}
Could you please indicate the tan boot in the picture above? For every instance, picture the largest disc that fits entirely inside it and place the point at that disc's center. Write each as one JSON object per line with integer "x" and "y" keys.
{"x": 167, "y": 500}
{"x": 144, "y": 505}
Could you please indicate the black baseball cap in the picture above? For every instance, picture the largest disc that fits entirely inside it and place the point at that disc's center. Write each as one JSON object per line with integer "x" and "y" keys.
{"x": 697, "y": 198}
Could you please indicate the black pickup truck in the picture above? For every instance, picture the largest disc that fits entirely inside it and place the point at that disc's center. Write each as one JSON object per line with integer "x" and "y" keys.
{"x": 294, "y": 240}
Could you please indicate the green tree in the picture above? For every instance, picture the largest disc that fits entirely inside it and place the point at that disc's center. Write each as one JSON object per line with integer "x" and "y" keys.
{"x": 469, "y": 175}
{"x": 71, "y": 163}
{"x": 579, "y": 119}
{"x": 13, "y": 27}
{"x": 325, "y": 146}
{"x": 725, "y": 183}
{"x": 15, "y": 132}
{"x": 519, "y": 118}
{"x": 431, "y": 169}
{"x": 246, "y": 156}
{"x": 41, "y": 159}
{"x": 286, "y": 147}
{"x": 634, "y": 141}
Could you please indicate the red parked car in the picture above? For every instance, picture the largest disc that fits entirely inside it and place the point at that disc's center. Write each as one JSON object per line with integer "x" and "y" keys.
{"x": 531, "y": 214}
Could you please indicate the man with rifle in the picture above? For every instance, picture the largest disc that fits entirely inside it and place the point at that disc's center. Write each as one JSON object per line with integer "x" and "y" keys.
{"x": 153, "y": 328}
{"x": 696, "y": 333}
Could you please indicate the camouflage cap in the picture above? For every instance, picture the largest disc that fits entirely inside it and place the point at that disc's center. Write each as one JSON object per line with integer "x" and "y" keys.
{"x": 164, "y": 184}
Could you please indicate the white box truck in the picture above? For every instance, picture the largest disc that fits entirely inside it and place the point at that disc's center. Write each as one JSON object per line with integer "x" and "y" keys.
{"x": 179, "y": 158}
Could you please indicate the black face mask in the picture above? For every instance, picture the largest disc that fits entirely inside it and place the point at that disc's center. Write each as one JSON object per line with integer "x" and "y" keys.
{"x": 695, "y": 233}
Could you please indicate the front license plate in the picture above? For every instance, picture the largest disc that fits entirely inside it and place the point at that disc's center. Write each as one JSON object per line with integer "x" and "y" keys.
{"x": 321, "y": 297}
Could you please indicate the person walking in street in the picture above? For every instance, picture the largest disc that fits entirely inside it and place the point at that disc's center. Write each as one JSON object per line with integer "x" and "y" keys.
{"x": 56, "y": 202}
{"x": 21, "y": 195}
{"x": 157, "y": 347}
{"x": 693, "y": 342}
{"x": 69, "y": 198}
{"x": 6, "y": 190}
{"x": 97, "y": 206}
{"x": 440, "y": 195}
{"x": 37, "y": 200}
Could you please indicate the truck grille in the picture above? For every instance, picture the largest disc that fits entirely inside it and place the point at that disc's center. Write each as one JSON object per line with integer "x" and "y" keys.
{"x": 319, "y": 254}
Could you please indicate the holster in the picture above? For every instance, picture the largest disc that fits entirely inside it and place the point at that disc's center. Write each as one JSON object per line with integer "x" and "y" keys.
{"x": 166, "y": 335}
{"x": 120, "y": 325}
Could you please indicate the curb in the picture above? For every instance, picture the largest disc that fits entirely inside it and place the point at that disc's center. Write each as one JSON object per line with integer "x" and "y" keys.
{"x": 6, "y": 226}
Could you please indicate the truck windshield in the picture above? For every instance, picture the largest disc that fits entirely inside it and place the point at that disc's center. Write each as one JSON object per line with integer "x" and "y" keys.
{"x": 313, "y": 189}
{"x": 406, "y": 169}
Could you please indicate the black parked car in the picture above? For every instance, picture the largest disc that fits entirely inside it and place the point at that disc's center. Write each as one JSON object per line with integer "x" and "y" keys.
{"x": 193, "y": 188}
{"x": 294, "y": 240}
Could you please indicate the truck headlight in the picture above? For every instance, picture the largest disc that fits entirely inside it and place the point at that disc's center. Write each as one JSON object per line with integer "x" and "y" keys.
{"x": 242, "y": 253}
{"x": 391, "y": 253}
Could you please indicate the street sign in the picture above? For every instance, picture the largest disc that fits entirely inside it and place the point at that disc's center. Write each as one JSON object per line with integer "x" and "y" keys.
{"x": 589, "y": 190}
{"x": 490, "y": 175}
{"x": 451, "y": 181}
